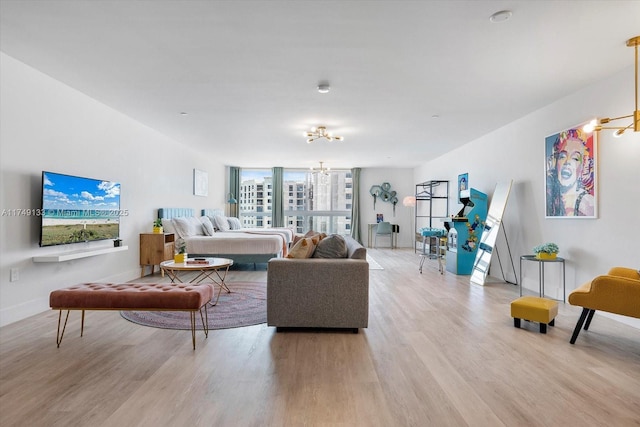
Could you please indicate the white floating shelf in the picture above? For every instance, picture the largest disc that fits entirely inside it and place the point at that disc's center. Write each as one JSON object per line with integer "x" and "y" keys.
{"x": 84, "y": 253}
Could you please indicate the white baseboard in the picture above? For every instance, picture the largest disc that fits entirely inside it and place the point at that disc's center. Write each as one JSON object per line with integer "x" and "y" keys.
{"x": 631, "y": 321}
{"x": 22, "y": 311}
{"x": 26, "y": 309}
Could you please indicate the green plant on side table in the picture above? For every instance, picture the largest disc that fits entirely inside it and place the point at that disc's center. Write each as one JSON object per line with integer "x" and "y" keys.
{"x": 181, "y": 251}
{"x": 546, "y": 251}
{"x": 157, "y": 226}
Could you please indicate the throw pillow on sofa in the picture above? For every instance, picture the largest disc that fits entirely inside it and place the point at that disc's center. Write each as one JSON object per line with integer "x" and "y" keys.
{"x": 303, "y": 249}
{"x": 316, "y": 236}
{"x": 333, "y": 246}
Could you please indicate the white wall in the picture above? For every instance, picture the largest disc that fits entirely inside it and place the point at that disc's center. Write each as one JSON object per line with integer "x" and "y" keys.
{"x": 401, "y": 181}
{"x": 516, "y": 151}
{"x": 49, "y": 126}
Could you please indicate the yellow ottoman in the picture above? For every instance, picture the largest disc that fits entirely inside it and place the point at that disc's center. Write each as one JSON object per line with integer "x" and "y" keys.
{"x": 534, "y": 309}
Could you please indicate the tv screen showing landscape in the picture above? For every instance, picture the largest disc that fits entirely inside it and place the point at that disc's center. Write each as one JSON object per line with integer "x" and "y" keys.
{"x": 77, "y": 209}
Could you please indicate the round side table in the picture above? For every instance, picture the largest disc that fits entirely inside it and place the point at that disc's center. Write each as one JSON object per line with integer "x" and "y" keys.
{"x": 541, "y": 263}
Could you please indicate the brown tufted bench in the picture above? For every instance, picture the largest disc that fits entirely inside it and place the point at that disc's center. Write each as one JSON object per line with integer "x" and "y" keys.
{"x": 133, "y": 296}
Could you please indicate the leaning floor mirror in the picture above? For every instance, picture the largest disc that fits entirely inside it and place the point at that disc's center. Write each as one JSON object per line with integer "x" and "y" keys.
{"x": 490, "y": 233}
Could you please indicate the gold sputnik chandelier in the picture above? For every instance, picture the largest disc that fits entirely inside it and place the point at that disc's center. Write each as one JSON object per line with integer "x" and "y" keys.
{"x": 322, "y": 170}
{"x": 598, "y": 125}
{"x": 321, "y": 132}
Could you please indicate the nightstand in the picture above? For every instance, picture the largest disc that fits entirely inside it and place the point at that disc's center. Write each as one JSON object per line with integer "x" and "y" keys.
{"x": 155, "y": 248}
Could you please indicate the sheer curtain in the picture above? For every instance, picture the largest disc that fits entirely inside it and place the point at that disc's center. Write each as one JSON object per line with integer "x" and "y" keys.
{"x": 277, "y": 200}
{"x": 234, "y": 189}
{"x": 355, "y": 205}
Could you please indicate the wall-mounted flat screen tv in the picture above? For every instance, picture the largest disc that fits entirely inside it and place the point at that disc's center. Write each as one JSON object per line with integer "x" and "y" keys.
{"x": 77, "y": 209}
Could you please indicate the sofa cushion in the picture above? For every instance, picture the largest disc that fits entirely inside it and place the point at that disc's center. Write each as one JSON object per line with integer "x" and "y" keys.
{"x": 315, "y": 236}
{"x": 333, "y": 246}
{"x": 302, "y": 249}
{"x": 297, "y": 237}
{"x": 354, "y": 249}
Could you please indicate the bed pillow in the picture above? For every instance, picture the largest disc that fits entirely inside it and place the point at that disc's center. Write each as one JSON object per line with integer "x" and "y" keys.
{"x": 303, "y": 249}
{"x": 187, "y": 227}
{"x": 213, "y": 222}
{"x": 234, "y": 223}
{"x": 196, "y": 225}
{"x": 333, "y": 246}
{"x": 207, "y": 227}
{"x": 167, "y": 226}
{"x": 221, "y": 223}
{"x": 181, "y": 226}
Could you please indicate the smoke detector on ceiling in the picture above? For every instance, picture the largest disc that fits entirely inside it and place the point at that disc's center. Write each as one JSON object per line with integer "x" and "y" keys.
{"x": 323, "y": 87}
{"x": 501, "y": 16}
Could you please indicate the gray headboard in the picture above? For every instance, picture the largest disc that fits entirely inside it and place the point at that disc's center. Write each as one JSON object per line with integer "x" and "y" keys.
{"x": 169, "y": 213}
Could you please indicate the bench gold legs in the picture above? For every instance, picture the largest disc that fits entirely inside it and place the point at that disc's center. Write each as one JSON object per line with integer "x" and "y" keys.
{"x": 204, "y": 317}
{"x": 205, "y": 323}
{"x": 60, "y": 335}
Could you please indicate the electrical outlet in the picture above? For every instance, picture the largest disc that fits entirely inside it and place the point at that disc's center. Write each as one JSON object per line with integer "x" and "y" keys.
{"x": 15, "y": 275}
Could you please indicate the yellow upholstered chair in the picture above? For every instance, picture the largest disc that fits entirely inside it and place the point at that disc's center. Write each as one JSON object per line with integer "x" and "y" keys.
{"x": 615, "y": 292}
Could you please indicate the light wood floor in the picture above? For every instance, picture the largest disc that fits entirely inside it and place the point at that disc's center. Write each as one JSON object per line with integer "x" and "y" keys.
{"x": 437, "y": 352}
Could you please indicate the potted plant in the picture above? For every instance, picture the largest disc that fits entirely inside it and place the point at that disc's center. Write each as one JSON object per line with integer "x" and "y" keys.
{"x": 181, "y": 252}
{"x": 546, "y": 251}
{"x": 157, "y": 226}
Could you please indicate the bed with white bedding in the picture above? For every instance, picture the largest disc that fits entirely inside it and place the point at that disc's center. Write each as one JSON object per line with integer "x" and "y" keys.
{"x": 204, "y": 239}
{"x": 215, "y": 214}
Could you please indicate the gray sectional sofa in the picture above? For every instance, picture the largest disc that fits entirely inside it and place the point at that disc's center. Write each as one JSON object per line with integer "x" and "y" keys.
{"x": 319, "y": 292}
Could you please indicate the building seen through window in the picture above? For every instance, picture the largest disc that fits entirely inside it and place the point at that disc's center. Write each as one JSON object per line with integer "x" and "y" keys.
{"x": 312, "y": 200}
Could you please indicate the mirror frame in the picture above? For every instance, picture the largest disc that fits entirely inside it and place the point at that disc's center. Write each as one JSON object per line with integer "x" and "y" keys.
{"x": 489, "y": 236}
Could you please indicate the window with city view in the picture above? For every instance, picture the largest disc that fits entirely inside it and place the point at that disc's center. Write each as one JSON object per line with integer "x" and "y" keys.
{"x": 312, "y": 200}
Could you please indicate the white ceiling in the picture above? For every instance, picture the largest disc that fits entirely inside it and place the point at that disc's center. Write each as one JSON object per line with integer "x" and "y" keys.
{"x": 246, "y": 71}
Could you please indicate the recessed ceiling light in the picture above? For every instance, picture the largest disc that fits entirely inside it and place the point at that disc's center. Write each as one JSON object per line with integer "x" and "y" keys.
{"x": 435, "y": 116}
{"x": 184, "y": 113}
{"x": 323, "y": 87}
{"x": 501, "y": 16}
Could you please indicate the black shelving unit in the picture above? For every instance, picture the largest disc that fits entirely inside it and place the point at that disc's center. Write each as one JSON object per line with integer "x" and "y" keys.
{"x": 432, "y": 206}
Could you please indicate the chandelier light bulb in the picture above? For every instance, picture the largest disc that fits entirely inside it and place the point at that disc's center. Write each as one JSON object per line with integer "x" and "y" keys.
{"x": 618, "y": 133}
{"x": 591, "y": 126}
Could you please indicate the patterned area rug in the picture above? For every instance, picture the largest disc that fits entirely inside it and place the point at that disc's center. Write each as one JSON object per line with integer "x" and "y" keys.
{"x": 246, "y": 305}
{"x": 373, "y": 264}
